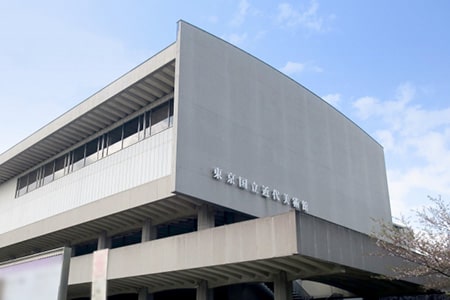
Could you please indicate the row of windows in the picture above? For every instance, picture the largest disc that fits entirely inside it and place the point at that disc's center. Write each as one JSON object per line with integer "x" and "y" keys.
{"x": 145, "y": 125}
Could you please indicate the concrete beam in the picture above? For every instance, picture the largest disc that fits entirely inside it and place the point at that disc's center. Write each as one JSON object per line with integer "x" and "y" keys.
{"x": 282, "y": 287}
{"x": 104, "y": 241}
{"x": 148, "y": 231}
{"x": 144, "y": 294}
{"x": 234, "y": 243}
{"x": 203, "y": 292}
{"x": 205, "y": 217}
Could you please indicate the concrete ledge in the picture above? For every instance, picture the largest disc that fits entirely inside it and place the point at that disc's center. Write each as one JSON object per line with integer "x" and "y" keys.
{"x": 143, "y": 194}
{"x": 257, "y": 239}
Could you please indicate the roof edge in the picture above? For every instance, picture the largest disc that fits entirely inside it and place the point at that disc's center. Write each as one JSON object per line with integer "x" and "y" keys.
{"x": 153, "y": 63}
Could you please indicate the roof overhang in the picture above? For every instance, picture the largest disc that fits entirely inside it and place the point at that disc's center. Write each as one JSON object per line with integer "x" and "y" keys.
{"x": 252, "y": 251}
{"x": 149, "y": 83}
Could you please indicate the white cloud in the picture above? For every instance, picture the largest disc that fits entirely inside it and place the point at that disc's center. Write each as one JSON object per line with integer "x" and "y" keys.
{"x": 416, "y": 141}
{"x": 309, "y": 17}
{"x": 333, "y": 99}
{"x": 291, "y": 68}
{"x": 366, "y": 106}
{"x": 241, "y": 14}
{"x": 386, "y": 139}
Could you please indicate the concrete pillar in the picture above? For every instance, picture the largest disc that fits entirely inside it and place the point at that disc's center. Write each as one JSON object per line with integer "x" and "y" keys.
{"x": 205, "y": 217}
{"x": 144, "y": 294}
{"x": 99, "y": 288}
{"x": 203, "y": 292}
{"x": 104, "y": 241}
{"x": 148, "y": 231}
{"x": 282, "y": 287}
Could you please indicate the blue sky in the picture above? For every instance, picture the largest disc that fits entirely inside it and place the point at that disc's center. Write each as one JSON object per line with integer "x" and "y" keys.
{"x": 384, "y": 64}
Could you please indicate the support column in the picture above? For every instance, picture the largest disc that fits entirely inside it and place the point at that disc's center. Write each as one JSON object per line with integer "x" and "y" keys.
{"x": 148, "y": 231}
{"x": 205, "y": 217}
{"x": 203, "y": 292}
{"x": 104, "y": 241}
{"x": 282, "y": 287}
{"x": 144, "y": 295}
{"x": 99, "y": 288}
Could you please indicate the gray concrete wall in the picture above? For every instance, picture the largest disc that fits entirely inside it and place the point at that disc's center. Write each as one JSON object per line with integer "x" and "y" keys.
{"x": 237, "y": 113}
{"x": 324, "y": 240}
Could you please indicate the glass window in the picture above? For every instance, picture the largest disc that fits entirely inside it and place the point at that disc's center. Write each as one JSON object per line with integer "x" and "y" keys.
{"x": 141, "y": 127}
{"x": 115, "y": 140}
{"x": 102, "y": 146}
{"x": 130, "y": 132}
{"x": 78, "y": 158}
{"x": 144, "y": 125}
{"x": 59, "y": 167}
{"x": 91, "y": 151}
{"x": 171, "y": 113}
{"x": 47, "y": 173}
{"x": 147, "y": 123}
{"x": 160, "y": 118}
{"x": 32, "y": 180}
{"x": 22, "y": 185}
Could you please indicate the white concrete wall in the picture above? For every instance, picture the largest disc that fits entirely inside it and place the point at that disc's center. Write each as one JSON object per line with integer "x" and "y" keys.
{"x": 240, "y": 242}
{"x": 145, "y": 161}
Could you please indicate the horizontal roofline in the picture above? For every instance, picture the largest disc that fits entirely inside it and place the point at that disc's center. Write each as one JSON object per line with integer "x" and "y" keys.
{"x": 161, "y": 66}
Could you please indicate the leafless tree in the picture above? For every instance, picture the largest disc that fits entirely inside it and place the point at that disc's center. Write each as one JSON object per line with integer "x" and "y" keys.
{"x": 424, "y": 242}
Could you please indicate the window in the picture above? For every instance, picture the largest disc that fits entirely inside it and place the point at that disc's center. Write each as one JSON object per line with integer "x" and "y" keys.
{"x": 47, "y": 173}
{"x": 171, "y": 113}
{"x": 78, "y": 158}
{"x": 160, "y": 118}
{"x": 102, "y": 146}
{"x": 22, "y": 185}
{"x": 114, "y": 140}
{"x": 59, "y": 167}
{"x": 147, "y": 123}
{"x": 130, "y": 132}
{"x": 32, "y": 180}
{"x": 91, "y": 151}
{"x": 144, "y": 125}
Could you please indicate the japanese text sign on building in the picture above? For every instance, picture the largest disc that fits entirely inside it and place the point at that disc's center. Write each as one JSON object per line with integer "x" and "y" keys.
{"x": 264, "y": 191}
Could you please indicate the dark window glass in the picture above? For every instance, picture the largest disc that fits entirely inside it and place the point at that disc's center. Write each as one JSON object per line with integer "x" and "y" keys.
{"x": 22, "y": 185}
{"x": 85, "y": 248}
{"x": 91, "y": 151}
{"x": 59, "y": 167}
{"x": 171, "y": 113}
{"x": 126, "y": 239}
{"x": 141, "y": 127}
{"x": 160, "y": 118}
{"x": 102, "y": 146}
{"x": 47, "y": 173}
{"x": 78, "y": 158}
{"x": 147, "y": 123}
{"x": 115, "y": 140}
{"x": 130, "y": 132}
{"x": 32, "y": 180}
{"x": 134, "y": 130}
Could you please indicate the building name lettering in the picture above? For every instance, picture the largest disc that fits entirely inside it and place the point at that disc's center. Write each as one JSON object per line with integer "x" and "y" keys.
{"x": 264, "y": 191}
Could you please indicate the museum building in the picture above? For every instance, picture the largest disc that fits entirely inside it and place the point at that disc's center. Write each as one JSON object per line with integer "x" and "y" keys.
{"x": 203, "y": 173}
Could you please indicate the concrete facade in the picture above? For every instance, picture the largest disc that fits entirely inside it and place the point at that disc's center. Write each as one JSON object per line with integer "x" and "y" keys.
{"x": 239, "y": 114}
{"x": 249, "y": 183}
